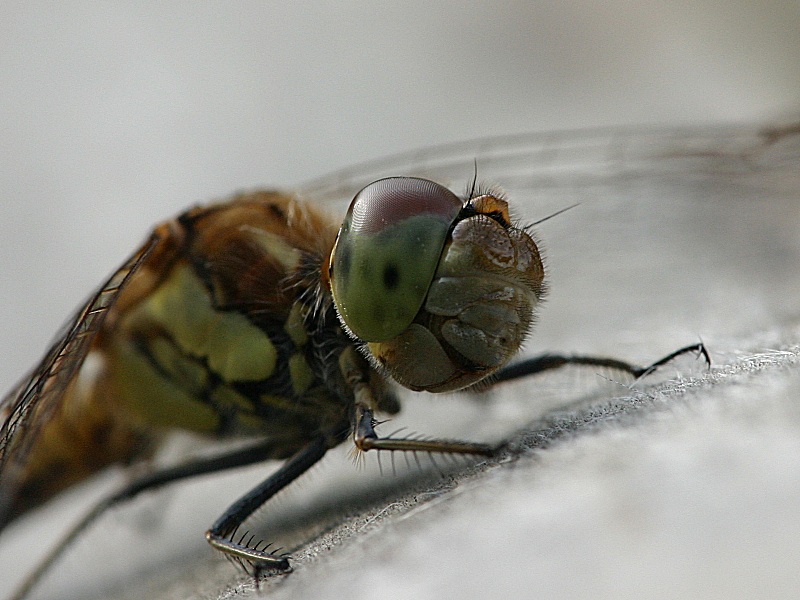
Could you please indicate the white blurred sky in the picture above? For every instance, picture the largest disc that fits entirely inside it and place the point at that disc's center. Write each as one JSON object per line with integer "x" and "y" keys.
{"x": 116, "y": 115}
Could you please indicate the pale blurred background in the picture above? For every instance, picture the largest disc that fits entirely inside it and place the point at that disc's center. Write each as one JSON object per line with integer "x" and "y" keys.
{"x": 114, "y": 116}
{"x": 117, "y": 116}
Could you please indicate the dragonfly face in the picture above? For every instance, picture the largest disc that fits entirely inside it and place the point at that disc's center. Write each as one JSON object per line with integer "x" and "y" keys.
{"x": 442, "y": 290}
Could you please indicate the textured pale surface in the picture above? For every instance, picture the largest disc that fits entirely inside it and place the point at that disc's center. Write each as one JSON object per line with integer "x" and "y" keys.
{"x": 684, "y": 485}
{"x": 116, "y": 118}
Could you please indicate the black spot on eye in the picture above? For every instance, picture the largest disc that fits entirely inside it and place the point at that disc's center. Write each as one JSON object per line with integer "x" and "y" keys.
{"x": 391, "y": 276}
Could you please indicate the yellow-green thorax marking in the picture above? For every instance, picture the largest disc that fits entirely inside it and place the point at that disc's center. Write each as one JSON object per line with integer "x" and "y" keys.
{"x": 221, "y": 344}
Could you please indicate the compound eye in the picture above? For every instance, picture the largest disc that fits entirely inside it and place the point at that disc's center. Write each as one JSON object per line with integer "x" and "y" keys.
{"x": 387, "y": 252}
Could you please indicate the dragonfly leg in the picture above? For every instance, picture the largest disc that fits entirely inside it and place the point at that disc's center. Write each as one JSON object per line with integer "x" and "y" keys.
{"x": 366, "y": 439}
{"x": 546, "y": 362}
{"x": 237, "y": 458}
{"x": 221, "y": 535}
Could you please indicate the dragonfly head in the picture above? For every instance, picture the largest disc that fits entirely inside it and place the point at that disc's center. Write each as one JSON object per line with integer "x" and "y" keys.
{"x": 441, "y": 290}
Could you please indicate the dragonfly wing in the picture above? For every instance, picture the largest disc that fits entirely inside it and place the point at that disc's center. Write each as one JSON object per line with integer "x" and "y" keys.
{"x": 694, "y": 217}
{"x": 571, "y": 158}
{"x": 28, "y": 406}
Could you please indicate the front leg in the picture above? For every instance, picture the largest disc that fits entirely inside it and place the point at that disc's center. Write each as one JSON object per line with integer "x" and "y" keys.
{"x": 547, "y": 362}
{"x": 221, "y": 535}
{"x": 365, "y": 439}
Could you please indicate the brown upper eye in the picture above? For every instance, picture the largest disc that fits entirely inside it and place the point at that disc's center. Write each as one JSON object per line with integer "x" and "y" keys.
{"x": 388, "y": 201}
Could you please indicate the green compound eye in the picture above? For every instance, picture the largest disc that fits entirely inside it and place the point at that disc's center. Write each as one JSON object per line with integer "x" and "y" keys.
{"x": 387, "y": 252}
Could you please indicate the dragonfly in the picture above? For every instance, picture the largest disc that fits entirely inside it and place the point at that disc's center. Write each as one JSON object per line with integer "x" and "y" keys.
{"x": 260, "y": 315}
